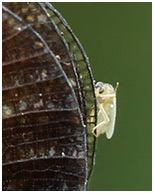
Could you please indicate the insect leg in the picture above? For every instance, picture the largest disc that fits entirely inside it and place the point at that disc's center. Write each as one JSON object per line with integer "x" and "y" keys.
{"x": 95, "y": 131}
{"x": 104, "y": 114}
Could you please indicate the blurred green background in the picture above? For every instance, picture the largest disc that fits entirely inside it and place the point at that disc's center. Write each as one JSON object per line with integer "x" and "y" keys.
{"x": 117, "y": 38}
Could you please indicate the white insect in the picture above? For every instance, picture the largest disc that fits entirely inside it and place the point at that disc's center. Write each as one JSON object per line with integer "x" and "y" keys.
{"x": 106, "y": 101}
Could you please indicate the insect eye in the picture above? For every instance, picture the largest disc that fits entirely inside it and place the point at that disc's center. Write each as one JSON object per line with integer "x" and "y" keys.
{"x": 95, "y": 131}
{"x": 101, "y": 91}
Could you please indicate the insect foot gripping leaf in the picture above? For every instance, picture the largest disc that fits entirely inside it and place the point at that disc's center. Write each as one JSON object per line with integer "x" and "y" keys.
{"x": 106, "y": 102}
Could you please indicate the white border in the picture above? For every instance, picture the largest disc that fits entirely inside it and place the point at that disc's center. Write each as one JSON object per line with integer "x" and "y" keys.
{"x": 1, "y": 76}
{"x": 87, "y": 1}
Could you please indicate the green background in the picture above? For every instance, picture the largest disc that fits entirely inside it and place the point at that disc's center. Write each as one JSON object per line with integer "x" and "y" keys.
{"x": 117, "y": 38}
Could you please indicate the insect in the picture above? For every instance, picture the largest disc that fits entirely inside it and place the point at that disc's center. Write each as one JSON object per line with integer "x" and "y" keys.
{"x": 106, "y": 100}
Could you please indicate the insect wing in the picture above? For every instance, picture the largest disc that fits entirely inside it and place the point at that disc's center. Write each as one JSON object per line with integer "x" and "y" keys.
{"x": 88, "y": 100}
{"x": 102, "y": 128}
{"x": 112, "y": 116}
{"x": 44, "y": 139}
